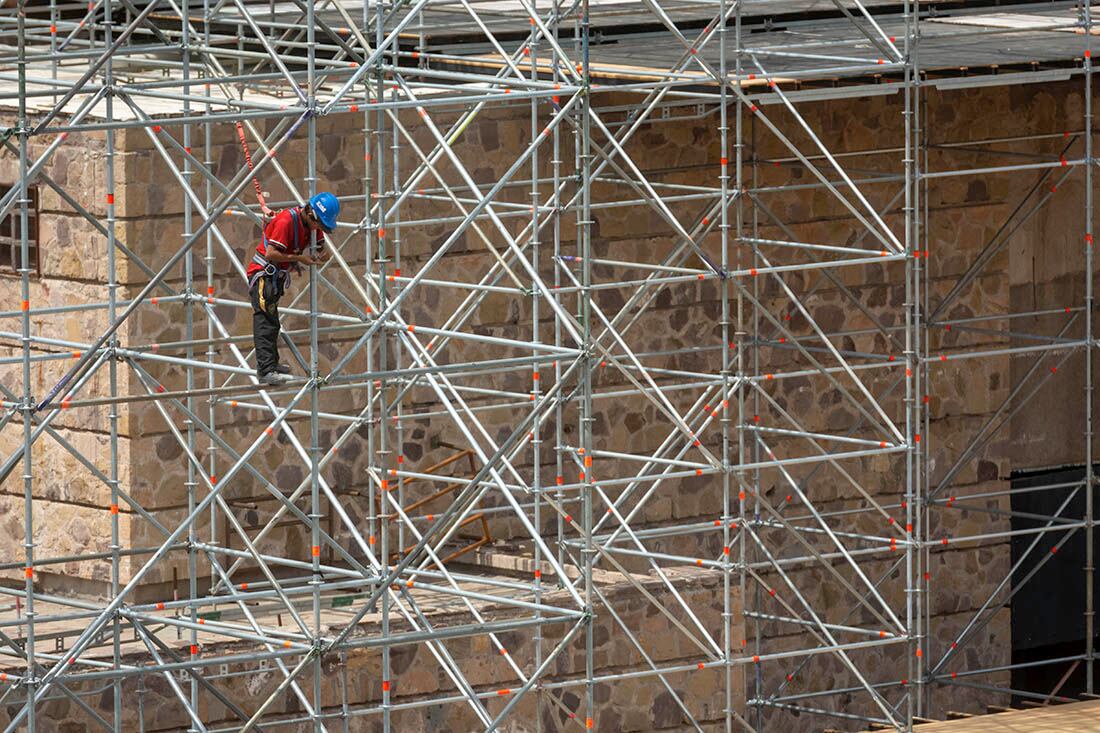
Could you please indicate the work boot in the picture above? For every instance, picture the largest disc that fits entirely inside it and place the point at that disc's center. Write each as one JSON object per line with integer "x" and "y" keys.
{"x": 272, "y": 379}
{"x": 283, "y": 369}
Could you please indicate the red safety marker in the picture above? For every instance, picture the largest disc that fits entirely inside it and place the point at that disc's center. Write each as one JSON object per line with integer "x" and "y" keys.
{"x": 160, "y": 606}
{"x": 385, "y": 685}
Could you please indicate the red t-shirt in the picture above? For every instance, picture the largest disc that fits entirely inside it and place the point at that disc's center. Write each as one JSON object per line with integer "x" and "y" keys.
{"x": 279, "y": 233}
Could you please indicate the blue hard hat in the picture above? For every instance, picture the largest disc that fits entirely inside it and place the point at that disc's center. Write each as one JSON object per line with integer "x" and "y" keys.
{"x": 327, "y": 208}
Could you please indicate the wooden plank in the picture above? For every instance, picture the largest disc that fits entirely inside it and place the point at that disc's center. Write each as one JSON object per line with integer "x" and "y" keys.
{"x": 1078, "y": 717}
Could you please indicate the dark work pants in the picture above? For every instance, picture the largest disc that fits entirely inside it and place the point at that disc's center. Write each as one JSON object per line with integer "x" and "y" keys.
{"x": 265, "y": 325}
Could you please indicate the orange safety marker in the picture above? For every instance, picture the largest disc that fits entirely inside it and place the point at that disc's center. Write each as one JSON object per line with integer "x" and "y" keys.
{"x": 385, "y": 685}
{"x": 316, "y": 551}
{"x": 160, "y": 606}
{"x": 114, "y": 509}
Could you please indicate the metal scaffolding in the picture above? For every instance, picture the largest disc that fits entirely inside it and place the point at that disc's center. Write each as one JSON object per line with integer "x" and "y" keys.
{"x": 529, "y": 516}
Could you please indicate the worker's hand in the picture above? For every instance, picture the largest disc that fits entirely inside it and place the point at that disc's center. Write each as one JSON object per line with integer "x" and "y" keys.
{"x": 320, "y": 259}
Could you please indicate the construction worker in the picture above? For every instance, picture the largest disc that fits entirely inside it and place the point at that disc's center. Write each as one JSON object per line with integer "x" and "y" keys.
{"x": 284, "y": 245}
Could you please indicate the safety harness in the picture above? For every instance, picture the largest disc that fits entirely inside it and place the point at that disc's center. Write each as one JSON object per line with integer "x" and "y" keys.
{"x": 269, "y": 268}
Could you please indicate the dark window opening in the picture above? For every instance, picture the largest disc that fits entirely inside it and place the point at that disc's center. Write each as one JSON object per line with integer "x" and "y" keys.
{"x": 11, "y": 253}
{"x": 1048, "y": 610}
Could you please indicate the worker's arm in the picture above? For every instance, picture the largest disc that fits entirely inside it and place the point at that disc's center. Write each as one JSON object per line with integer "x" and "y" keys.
{"x": 275, "y": 256}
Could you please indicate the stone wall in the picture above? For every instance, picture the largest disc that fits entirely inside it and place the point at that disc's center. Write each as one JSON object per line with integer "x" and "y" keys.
{"x": 1040, "y": 268}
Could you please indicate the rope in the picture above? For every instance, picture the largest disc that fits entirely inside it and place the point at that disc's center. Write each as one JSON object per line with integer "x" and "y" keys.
{"x": 267, "y": 212}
